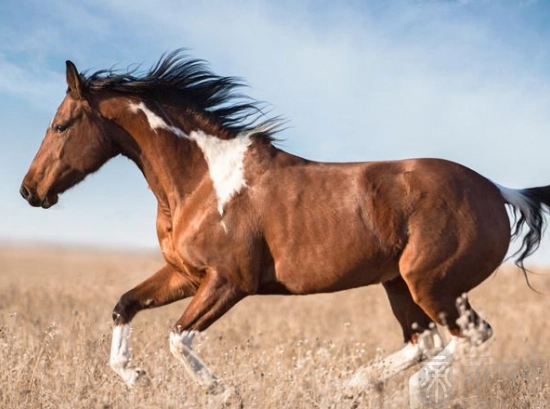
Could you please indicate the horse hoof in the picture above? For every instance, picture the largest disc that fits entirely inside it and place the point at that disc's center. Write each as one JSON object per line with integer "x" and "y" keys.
{"x": 365, "y": 378}
{"x": 138, "y": 378}
{"x": 224, "y": 396}
{"x": 142, "y": 377}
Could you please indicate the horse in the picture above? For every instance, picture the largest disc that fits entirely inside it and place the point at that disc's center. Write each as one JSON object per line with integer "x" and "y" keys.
{"x": 238, "y": 216}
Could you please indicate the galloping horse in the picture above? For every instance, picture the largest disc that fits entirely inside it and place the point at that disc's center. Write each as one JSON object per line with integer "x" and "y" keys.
{"x": 238, "y": 216}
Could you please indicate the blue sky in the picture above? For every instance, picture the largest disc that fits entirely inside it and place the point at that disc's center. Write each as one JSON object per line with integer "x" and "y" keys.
{"x": 464, "y": 80}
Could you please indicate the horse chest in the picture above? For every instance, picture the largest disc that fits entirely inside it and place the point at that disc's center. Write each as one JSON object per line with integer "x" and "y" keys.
{"x": 165, "y": 236}
{"x": 191, "y": 242}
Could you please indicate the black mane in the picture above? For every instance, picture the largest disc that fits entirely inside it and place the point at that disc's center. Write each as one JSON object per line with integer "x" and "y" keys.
{"x": 191, "y": 79}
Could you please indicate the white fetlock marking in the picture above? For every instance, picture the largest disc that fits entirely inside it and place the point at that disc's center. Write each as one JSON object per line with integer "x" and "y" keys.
{"x": 181, "y": 346}
{"x": 451, "y": 347}
{"x": 437, "y": 340}
{"x": 121, "y": 356}
{"x": 429, "y": 344}
{"x": 382, "y": 370}
{"x": 399, "y": 361}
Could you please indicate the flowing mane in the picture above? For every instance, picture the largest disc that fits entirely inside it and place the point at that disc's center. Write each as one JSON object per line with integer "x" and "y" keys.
{"x": 180, "y": 76}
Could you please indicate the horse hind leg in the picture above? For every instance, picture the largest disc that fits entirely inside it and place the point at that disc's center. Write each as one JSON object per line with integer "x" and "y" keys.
{"x": 438, "y": 294}
{"x": 413, "y": 320}
{"x": 447, "y": 308}
{"x": 418, "y": 307}
{"x": 466, "y": 327}
{"x": 421, "y": 338}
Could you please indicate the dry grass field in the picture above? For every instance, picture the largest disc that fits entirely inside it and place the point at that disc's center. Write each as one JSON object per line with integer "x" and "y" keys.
{"x": 280, "y": 352}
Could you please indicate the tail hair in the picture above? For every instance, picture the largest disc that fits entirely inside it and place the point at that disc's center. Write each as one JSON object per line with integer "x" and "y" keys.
{"x": 529, "y": 207}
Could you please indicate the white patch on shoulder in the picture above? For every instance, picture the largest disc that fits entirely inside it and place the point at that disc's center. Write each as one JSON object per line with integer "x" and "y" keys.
{"x": 225, "y": 158}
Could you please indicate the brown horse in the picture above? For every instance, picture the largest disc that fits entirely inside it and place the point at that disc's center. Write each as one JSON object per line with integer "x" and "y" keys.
{"x": 237, "y": 216}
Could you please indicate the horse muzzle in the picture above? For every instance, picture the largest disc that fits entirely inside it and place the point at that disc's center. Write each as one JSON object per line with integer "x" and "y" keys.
{"x": 35, "y": 200}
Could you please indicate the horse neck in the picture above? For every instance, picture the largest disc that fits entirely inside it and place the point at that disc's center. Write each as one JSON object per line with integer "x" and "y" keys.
{"x": 172, "y": 164}
{"x": 178, "y": 151}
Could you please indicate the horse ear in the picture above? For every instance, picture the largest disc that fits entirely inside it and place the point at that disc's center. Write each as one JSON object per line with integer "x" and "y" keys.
{"x": 74, "y": 81}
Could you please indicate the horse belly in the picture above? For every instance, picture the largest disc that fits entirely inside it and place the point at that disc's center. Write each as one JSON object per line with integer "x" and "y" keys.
{"x": 334, "y": 264}
{"x": 297, "y": 278}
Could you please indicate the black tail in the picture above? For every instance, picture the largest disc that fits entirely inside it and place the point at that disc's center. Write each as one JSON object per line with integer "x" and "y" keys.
{"x": 529, "y": 208}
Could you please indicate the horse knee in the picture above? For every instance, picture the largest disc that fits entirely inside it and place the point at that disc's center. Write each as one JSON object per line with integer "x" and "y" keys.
{"x": 126, "y": 308}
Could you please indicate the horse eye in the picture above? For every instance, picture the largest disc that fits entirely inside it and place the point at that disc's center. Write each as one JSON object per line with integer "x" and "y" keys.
{"x": 60, "y": 128}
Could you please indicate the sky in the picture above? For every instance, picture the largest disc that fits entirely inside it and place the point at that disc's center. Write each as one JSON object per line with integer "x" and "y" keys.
{"x": 467, "y": 81}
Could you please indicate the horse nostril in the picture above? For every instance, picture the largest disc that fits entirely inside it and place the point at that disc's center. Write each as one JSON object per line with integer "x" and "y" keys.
{"x": 25, "y": 192}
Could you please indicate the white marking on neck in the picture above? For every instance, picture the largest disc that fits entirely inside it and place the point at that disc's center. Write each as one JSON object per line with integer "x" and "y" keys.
{"x": 225, "y": 157}
{"x": 155, "y": 121}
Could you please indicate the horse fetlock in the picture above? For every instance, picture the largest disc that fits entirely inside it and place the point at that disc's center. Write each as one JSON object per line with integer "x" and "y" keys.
{"x": 477, "y": 334}
{"x": 181, "y": 341}
{"x": 430, "y": 342}
{"x": 181, "y": 346}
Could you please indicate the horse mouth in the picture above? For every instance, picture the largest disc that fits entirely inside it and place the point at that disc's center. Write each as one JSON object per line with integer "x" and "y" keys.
{"x": 49, "y": 201}
{"x": 35, "y": 201}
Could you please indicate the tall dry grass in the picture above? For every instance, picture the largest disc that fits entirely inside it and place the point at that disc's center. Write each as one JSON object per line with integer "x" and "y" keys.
{"x": 280, "y": 352}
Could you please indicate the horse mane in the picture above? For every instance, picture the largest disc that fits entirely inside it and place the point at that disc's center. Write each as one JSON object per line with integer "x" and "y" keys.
{"x": 192, "y": 81}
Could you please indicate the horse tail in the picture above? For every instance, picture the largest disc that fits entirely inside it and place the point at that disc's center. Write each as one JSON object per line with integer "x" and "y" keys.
{"x": 529, "y": 207}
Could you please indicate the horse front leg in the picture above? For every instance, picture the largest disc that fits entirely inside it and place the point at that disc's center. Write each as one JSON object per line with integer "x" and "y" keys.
{"x": 215, "y": 296}
{"x": 165, "y": 286}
